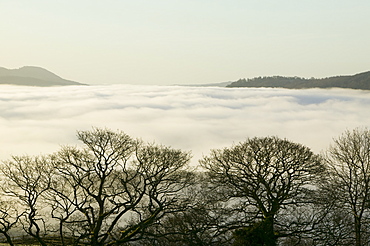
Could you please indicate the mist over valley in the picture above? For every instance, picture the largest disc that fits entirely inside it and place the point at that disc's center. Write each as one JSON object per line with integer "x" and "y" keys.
{"x": 38, "y": 120}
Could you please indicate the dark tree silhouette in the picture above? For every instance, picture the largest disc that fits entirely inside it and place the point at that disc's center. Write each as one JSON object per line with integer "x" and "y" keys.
{"x": 266, "y": 175}
{"x": 348, "y": 180}
{"x": 106, "y": 193}
{"x": 27, "y": 180}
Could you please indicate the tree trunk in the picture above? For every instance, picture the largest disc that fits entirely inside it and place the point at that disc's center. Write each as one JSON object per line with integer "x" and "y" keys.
{"x": 270, "y": 239}
{"x": 358, "y": 231}
{"x": 8, "y": 239}
{"x": 261, "y": 234}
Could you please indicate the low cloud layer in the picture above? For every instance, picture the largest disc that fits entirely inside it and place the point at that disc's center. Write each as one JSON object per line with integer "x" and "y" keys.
{"x": 38, "y": 120}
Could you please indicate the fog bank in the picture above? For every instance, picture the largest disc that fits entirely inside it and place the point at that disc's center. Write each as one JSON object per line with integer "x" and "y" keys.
{"x": 39, "y": 120}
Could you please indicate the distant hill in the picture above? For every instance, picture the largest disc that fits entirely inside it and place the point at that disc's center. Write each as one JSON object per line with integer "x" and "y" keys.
{"x": 357, "y": 81}
{"x": 32, "y": 76}
{"x": 221, "y": 84}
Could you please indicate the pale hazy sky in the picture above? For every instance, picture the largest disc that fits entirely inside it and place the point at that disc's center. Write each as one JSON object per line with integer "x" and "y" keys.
{"x": 186, "y": 41}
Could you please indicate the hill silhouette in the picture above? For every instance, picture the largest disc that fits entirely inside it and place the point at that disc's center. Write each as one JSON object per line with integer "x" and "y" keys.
{"x": 32, "y": 76}
{"x": 357, "y": 81}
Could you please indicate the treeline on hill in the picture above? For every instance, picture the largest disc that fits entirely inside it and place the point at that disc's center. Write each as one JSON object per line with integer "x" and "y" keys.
{"x": 117, "y": 190}
{"x": 358, "y": 81}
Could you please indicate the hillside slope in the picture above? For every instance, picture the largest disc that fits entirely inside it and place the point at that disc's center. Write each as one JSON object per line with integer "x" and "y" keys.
{"x": 32, "y": 76}
{"x": 357, "y": 81}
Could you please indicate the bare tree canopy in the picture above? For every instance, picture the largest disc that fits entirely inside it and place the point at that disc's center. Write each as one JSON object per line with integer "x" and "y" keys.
{"x": 266, "y": 174}
{"x": 348, "y": 180}
{"x": 106, "y": 193}
{"x": 112, "y": 189}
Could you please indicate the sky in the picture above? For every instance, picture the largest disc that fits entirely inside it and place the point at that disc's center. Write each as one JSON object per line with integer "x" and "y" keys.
{"x": 40, "y": 120}
{"x": 168, "y": 42}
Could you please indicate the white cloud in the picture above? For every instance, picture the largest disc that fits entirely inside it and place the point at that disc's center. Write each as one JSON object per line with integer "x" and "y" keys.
{"x": 39, "y": 120}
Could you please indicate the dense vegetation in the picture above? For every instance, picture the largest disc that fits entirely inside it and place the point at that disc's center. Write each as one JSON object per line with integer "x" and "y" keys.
{"x": 358, "y": 81}
{"x": 117, "y": 190}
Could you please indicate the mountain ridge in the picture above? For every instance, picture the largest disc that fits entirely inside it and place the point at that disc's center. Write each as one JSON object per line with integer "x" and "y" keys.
{"x": 33, "y": 76}
{"x": 357, "y": 81}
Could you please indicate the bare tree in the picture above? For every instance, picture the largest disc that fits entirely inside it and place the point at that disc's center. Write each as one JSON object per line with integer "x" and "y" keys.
{"x": 204, "y": 221}
{"x": 348, "y": 179}
{"x": 26, "y": 180}
{"x": 263, "y": 176}
{"x": 9, "y": 217}
{"x": 113, "y": 189}
{"x": 107, "y": 192}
